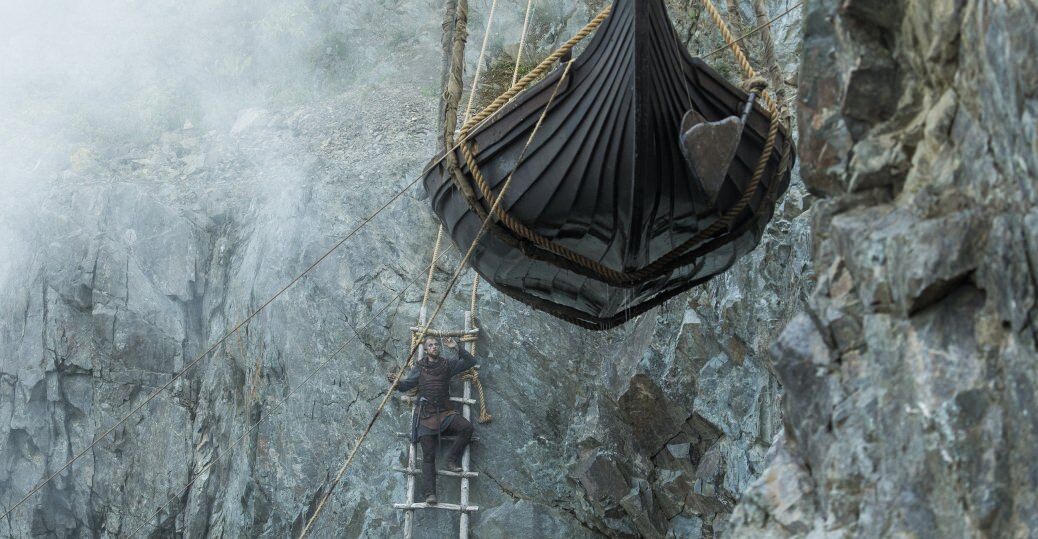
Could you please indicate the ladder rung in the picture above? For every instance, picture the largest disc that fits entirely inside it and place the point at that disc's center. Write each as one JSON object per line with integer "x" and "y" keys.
{"x": 447, "y": 506}
{"x": 409, "y": 398}
{"x": 442, "y": 436}
{"x": 412, "y": 471}
{"x": 446, "y": 333}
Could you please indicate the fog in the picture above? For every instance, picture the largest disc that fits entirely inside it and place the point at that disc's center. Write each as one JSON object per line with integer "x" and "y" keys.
{"x": 102, "y": 73}
{"x": 108, "y": 72}
{"x": 123, "y": 180}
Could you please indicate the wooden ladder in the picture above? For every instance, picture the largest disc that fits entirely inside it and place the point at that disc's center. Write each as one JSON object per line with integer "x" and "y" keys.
{"x": 412, "y": 469}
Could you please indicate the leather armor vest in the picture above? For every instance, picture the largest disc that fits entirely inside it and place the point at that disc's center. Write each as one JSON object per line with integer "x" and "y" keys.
{"x": 434, "y": 384}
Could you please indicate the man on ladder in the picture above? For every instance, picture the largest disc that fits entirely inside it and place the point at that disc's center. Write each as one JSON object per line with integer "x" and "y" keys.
{"x": 435, "y": 416}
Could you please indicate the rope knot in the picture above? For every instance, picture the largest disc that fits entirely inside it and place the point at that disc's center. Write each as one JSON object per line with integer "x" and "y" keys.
{"x": 473, "y": 376}
{"x": 755, "y": 85}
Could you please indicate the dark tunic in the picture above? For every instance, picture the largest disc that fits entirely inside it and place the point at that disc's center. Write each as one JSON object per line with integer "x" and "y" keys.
{"x": 432, "y": 377}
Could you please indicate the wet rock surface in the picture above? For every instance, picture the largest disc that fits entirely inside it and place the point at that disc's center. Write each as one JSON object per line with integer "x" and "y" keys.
{"x": 128, "y": 260}
{"x": 909, "y": 380}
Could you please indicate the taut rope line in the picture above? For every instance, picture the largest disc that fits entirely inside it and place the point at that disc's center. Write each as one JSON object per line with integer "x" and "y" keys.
{"x": 522, "y": 40}
{"x": 292, "y": 391}
{"x": 479, "y": 62}
{"x": 535, "y": 72}
{"x": 205, "y": 354}
{"x": 432, "y": 267}
{"x": 219, "y": 341}
{"x": 672, "y": 258}
{"x": 473, "y": 373}
{"x": 446, "y": 295}
{"x": 755, "y": 30}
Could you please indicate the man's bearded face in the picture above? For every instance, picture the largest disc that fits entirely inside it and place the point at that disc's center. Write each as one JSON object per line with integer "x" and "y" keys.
{"x": 432, "y": 347}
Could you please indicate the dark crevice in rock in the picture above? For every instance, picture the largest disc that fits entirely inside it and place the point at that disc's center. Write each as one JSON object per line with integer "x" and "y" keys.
{"x": 589, "y": 527}
{"x": 939, "y": 290}
{"x": 509, "y": 492}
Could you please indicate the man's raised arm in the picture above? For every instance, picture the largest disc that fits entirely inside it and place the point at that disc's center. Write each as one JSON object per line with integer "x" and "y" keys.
{"x": 464, "y": 361}
{"x": 408, "y": 382}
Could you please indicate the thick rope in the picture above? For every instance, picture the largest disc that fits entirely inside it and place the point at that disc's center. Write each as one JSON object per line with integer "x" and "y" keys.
{"x": 446, "y": 295}
{"x": 432, "y": 268}
{"x": 733, "y": 44}
{"x": 535, "y": 72}
{"x": 768, "y": 43}
{"x": 664, "y": 263}
{"x": 450, "y": 13}
{"x": 452, "y": 94}
{"x": 755, "y": 30}
{"x": 473, "y": 376}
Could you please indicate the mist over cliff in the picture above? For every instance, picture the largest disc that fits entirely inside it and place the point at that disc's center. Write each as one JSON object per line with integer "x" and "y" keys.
{"x": 166, "y": 167}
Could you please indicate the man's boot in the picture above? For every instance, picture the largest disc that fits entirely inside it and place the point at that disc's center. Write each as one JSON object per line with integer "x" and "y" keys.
{"x": 429, "y": 481}
{"x": 462, "y": 435}
{"x": 453, "y": 466}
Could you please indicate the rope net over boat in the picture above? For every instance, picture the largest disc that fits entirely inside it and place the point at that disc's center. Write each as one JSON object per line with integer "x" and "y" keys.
{"x": 651, "y": 174}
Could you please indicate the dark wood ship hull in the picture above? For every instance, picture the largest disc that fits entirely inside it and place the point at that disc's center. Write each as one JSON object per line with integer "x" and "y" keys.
{"x": 606, "y": 178}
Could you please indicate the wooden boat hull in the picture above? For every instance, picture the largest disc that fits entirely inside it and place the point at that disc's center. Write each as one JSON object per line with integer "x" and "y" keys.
{"x": 605, "y": 176}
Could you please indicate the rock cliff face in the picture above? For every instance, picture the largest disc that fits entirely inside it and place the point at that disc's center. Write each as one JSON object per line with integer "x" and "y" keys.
{"x": 910, "y": 380}
{"x": 124, "y": 257}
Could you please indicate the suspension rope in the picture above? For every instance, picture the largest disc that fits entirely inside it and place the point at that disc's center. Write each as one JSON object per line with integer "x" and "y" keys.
{"x": 446, "y": 295}
{"x": 740, "y": 56}
{"x": 448, "y": 118}
{"x": 771, "y": 67}
{"x": 472, "y": 374}
{"x": 222, "y": 339}
{"x": 284, "y": 400}
{"x": 479, "y": 62}
{"x": 522, "y": 40}
{"x": 536, "y": 72}
{"x": 517, "y": 87}
{"x": 672, "y": 258}
{"x": 432, "y": 268}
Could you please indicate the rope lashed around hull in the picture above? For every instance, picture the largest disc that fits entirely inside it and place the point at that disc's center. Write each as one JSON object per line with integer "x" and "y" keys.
{"x": 668, "y": 261}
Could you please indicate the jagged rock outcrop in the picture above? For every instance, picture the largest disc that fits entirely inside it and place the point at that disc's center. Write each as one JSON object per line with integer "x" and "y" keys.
{"x": 909, "y": 405}
{"x": 123, "y": 260}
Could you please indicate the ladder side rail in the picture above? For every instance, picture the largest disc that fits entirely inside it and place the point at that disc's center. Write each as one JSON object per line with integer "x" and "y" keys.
{"x": 463, "y": 520}
{"x": 412, "y": 450}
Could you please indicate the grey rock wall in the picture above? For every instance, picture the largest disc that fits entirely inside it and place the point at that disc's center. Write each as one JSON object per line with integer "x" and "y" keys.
{"x": 909, "y": 405}
{"x": 124, "y": 257}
